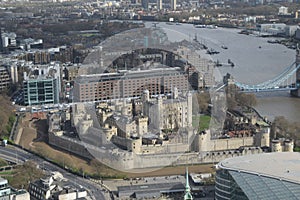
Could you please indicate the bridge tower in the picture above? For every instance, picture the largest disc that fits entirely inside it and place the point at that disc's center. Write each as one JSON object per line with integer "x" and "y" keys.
{"x": 296, "y": 92}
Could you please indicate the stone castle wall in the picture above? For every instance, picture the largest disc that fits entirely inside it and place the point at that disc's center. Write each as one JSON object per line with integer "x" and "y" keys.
{"x": 69, "y": 145}
{"x": 129, "y": 160}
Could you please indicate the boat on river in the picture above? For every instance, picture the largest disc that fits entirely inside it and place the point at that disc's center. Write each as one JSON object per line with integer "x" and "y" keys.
{"x": 212, "y": 51}
{"x": 224, "y": 47}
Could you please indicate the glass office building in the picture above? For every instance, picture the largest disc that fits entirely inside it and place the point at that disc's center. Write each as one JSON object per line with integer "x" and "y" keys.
{"x": 42, "y": 85}
{"x": 261, "y": 176}
{"x": 41, "y": 91}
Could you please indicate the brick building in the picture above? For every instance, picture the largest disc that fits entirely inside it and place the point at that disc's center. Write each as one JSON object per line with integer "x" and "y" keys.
{"x": 124, "y": 84}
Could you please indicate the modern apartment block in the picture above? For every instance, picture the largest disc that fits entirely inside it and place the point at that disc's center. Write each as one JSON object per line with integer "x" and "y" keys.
{"x": 42, "y": 85}
{"x": 5, "y": 79}
{"x": 124, "y": 84}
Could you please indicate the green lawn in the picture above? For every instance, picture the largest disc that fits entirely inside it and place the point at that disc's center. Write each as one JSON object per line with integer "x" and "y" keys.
{"x": 201, "y": 121}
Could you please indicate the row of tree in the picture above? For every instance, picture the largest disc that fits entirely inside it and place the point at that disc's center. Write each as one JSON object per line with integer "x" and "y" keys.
{"x": 233, "y": 98}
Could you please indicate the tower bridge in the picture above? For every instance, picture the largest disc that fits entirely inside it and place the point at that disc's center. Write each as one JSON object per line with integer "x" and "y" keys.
{"x": 287, "y": 80}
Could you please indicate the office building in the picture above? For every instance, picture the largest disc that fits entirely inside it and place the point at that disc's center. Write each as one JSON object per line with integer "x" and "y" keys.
{"x": 42, "y": 85}
{"x": 124, "y": 84}
{"x": 260, "y": 176}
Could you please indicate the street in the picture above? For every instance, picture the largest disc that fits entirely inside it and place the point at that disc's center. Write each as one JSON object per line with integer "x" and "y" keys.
{"x": 19, "y": 156}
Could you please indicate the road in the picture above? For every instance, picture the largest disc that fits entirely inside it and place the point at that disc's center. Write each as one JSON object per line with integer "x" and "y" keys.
{"x": 19, "y": 156}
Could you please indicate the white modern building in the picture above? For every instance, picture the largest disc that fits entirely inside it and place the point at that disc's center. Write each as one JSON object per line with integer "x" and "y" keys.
{"x": 8, "y": 193}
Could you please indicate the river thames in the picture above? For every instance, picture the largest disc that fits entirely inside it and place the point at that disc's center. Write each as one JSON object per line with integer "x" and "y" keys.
{"x": 255, "y": 61}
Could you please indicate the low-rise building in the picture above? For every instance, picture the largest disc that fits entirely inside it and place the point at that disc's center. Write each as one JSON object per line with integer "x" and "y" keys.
{"x": 8, "y": 39}
{"x": 9, "y": 193}
{"x": 149, "y": 191}
{"x": 55, "y": 187}
{"x": 274, "y": 28}
{"x": 30, "y": 43}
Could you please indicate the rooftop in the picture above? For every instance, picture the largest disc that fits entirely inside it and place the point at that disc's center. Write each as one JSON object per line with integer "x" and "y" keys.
{"x": 125, "y": 74}
{"x": 3, "y": 181}
{"x": 157, "y": 187}
{"x": 280, "y": 165}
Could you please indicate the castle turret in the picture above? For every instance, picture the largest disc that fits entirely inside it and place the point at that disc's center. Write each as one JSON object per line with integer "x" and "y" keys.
{"x": 262, "y": 138}
{"x": 203, "y": 143}
{"x": 276, "y": 146}
{"x": 175, "y": 93}
{"x": 146, "y": 95}
{"x": 289, "y": 145}
{"x": 142, "y": 125}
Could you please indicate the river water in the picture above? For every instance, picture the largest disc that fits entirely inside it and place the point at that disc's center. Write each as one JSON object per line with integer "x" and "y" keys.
{"x": 255, "y": 61}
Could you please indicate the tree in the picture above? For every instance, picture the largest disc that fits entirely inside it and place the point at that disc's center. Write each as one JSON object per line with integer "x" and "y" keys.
{"x": 248, "y": 100}
{"x": 279, "y": 127}
{"x": 203, "y": 101}
{"x": 231, "y": 103}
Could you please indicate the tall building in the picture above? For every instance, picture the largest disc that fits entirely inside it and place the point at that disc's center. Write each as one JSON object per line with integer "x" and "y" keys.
{"x": 260, "y": 176}
{"x": 40, "y": 91}
{"x": 173, "y": 4}
{"x": 42, "y": 86}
